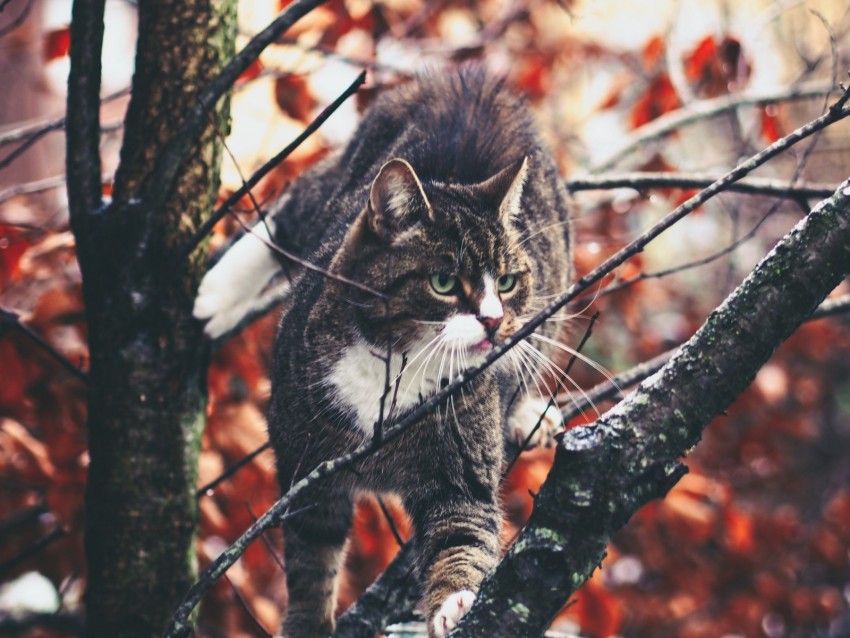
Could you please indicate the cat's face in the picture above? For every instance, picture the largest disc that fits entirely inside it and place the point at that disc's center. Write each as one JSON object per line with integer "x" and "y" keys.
{"x": 451, "y": 263}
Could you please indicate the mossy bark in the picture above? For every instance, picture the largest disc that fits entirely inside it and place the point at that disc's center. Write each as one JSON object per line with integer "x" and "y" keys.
{"x": 147, "y": 380}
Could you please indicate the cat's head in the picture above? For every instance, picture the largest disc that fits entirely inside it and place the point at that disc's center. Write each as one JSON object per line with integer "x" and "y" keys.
{"x": 449, "y": 258}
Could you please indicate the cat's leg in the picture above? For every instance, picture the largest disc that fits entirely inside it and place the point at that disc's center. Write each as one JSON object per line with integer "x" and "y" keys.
{"x": 314, "y": 538}
{"x": 458, "y": 544}
{"x": 452, "y": 500}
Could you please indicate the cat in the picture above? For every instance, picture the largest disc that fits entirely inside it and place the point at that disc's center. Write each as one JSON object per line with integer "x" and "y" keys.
{"x": 446, "y": 203}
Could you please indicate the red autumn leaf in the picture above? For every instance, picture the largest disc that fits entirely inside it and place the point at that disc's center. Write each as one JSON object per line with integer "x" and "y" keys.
{"x": 653, "y": 52}
{"x": 57, "y": 43}
{"x": 716, "y": 69}
{"x": 701, "y": 58}
{"x": 599, "y": 613}
{"x": 293, "y": 97}
{"x": 770, "y": 127}
{"x": 659, "y": 98}
{"x": 532, "y": 77}
{"x": 739, "y": 531}
{"x": 13, "y": 244}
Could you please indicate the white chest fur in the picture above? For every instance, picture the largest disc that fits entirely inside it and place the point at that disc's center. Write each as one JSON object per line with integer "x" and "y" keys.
{"x": 358, "y": 381}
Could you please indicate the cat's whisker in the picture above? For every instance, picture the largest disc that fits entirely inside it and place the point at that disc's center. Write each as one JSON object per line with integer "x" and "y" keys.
{"x": 428, "y": 347}
{"x": 563, "y": 378}
{"x": 531, "y": 368}
{"x": 513, "y": 356}
{"x": 578, "y": 355}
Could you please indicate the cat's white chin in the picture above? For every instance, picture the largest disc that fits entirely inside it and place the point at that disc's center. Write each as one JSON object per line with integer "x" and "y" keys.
{"x": 466, "y": 332}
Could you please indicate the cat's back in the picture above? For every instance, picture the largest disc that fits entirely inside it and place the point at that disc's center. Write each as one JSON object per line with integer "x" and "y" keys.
{"x": 459, "y": 126}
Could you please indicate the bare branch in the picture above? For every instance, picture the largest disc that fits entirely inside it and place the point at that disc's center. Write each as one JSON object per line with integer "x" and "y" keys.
{"x": 40, "y": 186}
{"x": 230, "y": 471}
{"x": 43, "y": 128}
{"x": 749, "y": 185}
{"x": 18, "y": 20}
{"x": 833, "y": 307}
{"x": 83, "y": 114}
{"x": 703, "y": 110}
{"x": 9, "y": 318}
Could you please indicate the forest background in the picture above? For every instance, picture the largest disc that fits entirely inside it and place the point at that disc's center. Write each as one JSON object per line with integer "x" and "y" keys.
{"x": 640, "y": 108}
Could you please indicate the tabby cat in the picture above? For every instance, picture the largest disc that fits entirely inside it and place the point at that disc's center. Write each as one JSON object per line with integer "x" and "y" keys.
{"x": 446, "y": 203}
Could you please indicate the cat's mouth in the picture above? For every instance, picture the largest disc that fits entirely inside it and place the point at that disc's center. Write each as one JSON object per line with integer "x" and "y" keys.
{"x": 485, "y": 345}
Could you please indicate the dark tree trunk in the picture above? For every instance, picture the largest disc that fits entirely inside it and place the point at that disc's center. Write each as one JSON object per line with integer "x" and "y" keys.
{"x": 147, "y": 386}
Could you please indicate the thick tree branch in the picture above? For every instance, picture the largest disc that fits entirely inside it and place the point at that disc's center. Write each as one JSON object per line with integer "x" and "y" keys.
{"x": 603, "y": 473}
{"x": 83, "y": 119}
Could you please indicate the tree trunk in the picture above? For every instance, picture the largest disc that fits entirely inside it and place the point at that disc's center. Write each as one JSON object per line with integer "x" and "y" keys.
{"x": 147, "y": 388}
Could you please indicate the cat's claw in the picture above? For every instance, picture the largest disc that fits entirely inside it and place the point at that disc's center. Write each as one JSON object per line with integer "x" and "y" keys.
{"x": 451, "y": 611}
{"x": 527, "y": 414}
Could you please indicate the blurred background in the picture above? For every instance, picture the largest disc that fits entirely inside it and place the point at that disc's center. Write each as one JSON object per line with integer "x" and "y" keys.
{"x": 754, "y": 541}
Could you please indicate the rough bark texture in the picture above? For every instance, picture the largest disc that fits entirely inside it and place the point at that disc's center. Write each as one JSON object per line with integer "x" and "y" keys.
{"x": 147, "y": 387}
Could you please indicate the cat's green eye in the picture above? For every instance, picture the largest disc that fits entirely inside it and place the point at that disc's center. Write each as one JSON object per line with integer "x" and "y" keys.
{"x": 444, "y": 284}
{"x": 506, "y": 283}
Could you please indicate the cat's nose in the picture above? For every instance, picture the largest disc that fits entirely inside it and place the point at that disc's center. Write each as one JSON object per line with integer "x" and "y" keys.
{"x": 491, "y": 324}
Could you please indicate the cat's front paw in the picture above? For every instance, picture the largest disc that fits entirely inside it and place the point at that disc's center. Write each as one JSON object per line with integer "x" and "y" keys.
{"x": 451, "y": 611}
{"x": 525, "y": 418}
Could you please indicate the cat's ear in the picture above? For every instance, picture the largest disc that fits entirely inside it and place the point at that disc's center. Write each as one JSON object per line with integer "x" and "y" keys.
{"x": 397, "y": 200}
{"x": 506, "y": 188}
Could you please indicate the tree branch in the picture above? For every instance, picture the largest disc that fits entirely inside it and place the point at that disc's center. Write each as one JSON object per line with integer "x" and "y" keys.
{"x": 703, "y": 110}
{"x": 749, "y": 185}
{"x": 83, "y": 113}
{"x": 246, "y": 187}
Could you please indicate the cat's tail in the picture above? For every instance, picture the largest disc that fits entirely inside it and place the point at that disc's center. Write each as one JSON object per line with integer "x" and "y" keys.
{"x": 238, "y": 287}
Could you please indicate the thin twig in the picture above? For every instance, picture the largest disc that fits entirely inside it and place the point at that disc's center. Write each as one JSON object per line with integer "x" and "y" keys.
{"x": 19, "y": 19}
{"x": 246, "y": 187}
{"x": 833, "y": 307}
{"x": 271, "y": 549}
{"x": 9, "y": 318}
{"x": 32, "y": 550}
{"x": 230, "y": 471}
{"x": 390, "y": 521}
{"x": 247, "y": 607}
{"x": 41, "y": 186}
{"x": 42, "y": 128}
